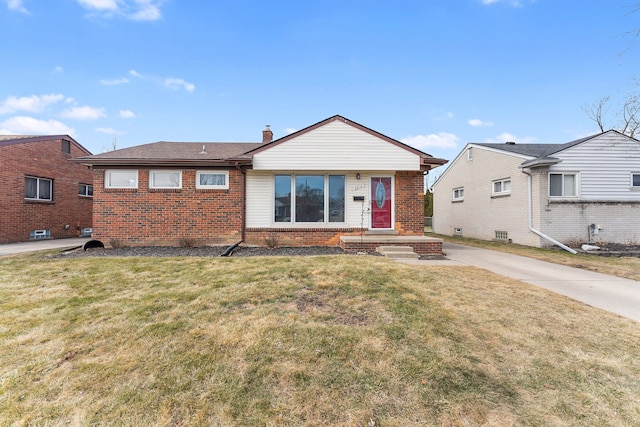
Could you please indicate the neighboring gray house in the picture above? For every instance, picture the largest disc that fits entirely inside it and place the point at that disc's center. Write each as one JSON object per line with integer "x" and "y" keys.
{"x": 543, "y": 194}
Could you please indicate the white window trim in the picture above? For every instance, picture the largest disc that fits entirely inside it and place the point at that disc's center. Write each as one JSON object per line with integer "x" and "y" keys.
{"x": 576, "y": 183}
{"x": 213, "y": 187}
{"x": 86, "y": 186}
{"x": 152, "y": 172}
{"x": 325, "y": 222}
{"x": 107, "y": 178}
{"x": 458, "y": 198}
{"x": 37, "y": 198}
{"x": 503, "y": 192}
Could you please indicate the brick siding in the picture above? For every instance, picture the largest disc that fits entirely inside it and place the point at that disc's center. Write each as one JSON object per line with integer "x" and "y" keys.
{"x": 409, "y": 199}
{"x": 42, "y": 159}
{"x": 160, "y": 217}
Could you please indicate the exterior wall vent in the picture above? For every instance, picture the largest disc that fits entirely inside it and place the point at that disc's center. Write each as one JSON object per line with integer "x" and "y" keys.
{"x": 40, "y": 234}
{"x": 457, "y": 231}
{"x": 501, "y": 235}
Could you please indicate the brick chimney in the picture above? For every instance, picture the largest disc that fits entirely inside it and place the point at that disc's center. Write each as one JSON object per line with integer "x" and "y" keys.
{"x": 267, "y": 135}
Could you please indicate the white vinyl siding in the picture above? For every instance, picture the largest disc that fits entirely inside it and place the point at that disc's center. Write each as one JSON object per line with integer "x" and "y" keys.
{"x": 604, "y": 163}
{"x": 261, "y": 196}
{"x": 339, "y": 147}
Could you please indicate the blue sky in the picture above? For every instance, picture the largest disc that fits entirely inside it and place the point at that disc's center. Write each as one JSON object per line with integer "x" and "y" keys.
{"x": 435, "y": 74}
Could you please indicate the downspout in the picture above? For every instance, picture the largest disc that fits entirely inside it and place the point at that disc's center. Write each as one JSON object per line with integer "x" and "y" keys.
{"x": 243, "y": 197}
{"x": 244, "y": 201}
{"x": 530, "y": 203}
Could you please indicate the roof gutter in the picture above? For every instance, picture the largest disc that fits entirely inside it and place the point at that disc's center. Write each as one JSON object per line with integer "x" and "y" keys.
{"x": 539, "y": 233}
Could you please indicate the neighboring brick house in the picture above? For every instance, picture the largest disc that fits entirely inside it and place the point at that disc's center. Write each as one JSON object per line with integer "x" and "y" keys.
{"x": 313, "y": 187}
{"x": 42, "y": 193}
{"x": 586, "y": 190}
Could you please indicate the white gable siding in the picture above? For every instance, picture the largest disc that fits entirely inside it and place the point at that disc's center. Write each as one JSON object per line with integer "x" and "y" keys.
{"x": 336, "y": 146}
{"x": 260, "y": 199}
{"x": 604, "y": 164}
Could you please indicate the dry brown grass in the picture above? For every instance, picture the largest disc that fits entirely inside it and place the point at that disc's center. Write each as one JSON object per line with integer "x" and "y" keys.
{"x": 627, "y": 267}
{"x": 340, "y": 340}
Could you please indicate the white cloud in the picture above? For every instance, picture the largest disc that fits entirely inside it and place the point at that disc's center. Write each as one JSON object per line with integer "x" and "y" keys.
{"x": 439, "y": 140}
{"x": 22, "y": 125}
{"x": 134, "y": 73}
{"x": 17, "y": 6}
{"x": 478, "y": 122}
{"x": 109, "y": 131}
{"x": 83, "y": 113}
{"x": 32, "y": 104}
{"x": 127, "y": 114}
{"x": 58, "y": 69}
{"x": 147, "y": 11}
{"x": 514, "y": 3}
{"x": 114, "y": 82}
{"x": 136, "y": 10}
{"x": 289, "y": 131}
{"x": 99, "y": 4}
{"x": 509, "y": 137}
{"x": 179, "y": 83}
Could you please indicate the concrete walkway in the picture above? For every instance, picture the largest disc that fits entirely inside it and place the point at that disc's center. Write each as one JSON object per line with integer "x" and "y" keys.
{"x": 610, "y": 293}
{"x": 40, "y": 245}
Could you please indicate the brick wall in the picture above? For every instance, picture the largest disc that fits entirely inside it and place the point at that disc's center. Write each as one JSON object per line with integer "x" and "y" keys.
{"x": 42, "y": 159}
{"x": 409, "y": 219}
{"x": 167, "y": 217}
{"x": 298, "y": 236}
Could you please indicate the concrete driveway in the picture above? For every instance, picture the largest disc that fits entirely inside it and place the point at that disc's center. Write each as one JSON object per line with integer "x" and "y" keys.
{"x": 614, "y": 294}
{"x": 40, "y": 245}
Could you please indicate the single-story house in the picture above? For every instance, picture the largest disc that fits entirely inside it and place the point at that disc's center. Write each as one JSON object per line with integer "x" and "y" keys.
{"x": 43, "y": 195}
{"x": 586, "y": 190}
{"x": 333, "y": 183}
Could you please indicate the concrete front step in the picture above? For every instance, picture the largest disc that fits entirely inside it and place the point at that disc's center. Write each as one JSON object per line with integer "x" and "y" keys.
{"x": 398, "y": 252}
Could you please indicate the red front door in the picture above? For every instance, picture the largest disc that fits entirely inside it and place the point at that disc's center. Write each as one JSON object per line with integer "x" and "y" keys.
{"x": 381, "y": 202}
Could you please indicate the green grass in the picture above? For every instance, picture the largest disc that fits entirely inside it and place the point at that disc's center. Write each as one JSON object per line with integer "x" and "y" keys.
{"x": 339, "y": 340}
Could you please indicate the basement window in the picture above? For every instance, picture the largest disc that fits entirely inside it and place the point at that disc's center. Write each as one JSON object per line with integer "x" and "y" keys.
{"x": 635, "y": 180}
{"x": 39, "y": 234}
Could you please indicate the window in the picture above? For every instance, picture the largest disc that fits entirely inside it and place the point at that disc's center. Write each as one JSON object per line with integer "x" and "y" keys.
{"x": 66, "y": 146}
{"x": 316, "y": 198}
{"x": 165, "y": 179}
{"x": 213, "y": 180}
{"x": 458, "y": 194}
{"x": 562, "y": 185}
{"x": 39, "y": 234}
{"x": 501, "y": 187}
{"x": 121, "y": 178}
{"x": 85, "y": 190}
{"x": 635, "y": 180}
{"x": 38, "y": 188}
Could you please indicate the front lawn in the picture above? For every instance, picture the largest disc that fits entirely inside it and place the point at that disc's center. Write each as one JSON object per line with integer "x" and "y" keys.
{"x": 331, "y": 340}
